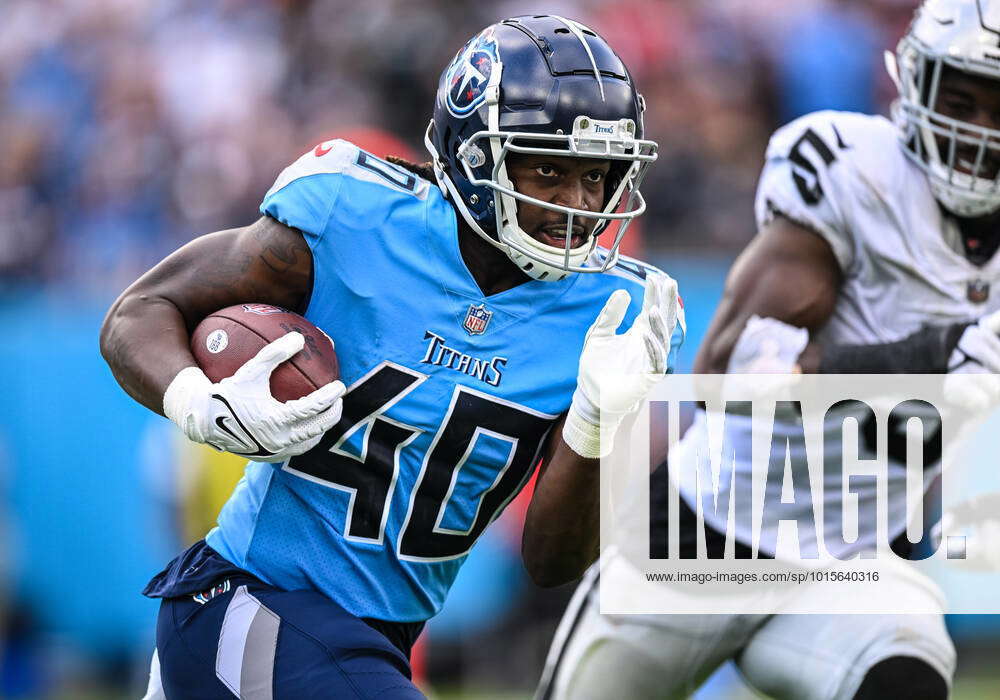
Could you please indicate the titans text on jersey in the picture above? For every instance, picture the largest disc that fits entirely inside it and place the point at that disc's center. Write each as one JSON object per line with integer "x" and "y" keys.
{"x": 438, "y": 353}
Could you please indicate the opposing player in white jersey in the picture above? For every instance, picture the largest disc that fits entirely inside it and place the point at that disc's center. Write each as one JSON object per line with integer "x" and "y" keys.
{"x": 876, "y": 253}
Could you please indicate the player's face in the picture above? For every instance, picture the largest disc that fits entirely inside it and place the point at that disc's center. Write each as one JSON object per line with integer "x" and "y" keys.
{"x": 976, "y": 100}
{"x": 571, "y": 182}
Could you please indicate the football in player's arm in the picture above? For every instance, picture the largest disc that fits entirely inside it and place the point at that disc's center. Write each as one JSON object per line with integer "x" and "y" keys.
{"x": 876, "y": 253}
{"x": 473, "y": 314}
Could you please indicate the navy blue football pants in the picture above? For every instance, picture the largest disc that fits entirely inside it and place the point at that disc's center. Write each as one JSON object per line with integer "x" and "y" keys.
{"x": 256, "y": 642}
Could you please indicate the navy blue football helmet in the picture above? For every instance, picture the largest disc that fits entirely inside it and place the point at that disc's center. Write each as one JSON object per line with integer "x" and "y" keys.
{"x": 539, "y": 85}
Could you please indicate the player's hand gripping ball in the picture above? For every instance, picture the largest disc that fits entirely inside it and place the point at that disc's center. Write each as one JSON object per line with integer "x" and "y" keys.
{"x": 228, "y": 339}
{"x": 266, "y": 387}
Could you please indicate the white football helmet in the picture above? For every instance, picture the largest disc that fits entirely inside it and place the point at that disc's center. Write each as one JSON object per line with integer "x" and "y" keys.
{"x": 964, "y": 35}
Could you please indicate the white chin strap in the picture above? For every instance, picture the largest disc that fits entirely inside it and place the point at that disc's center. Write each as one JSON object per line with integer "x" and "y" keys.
{"x": 541, "y": 269}
{"x": 956, "y": 196}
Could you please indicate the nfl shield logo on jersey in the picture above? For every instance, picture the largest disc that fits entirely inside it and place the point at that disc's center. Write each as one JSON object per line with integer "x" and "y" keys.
{"x": 476, "y": 319}
{"x": 978, "y": 291}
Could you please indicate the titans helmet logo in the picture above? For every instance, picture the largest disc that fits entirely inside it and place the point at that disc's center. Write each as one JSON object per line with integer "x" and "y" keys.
{"x": 470, "y": 72}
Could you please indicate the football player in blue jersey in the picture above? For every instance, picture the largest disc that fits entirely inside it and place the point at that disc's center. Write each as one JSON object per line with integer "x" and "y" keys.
{"x": 462, "y": 297}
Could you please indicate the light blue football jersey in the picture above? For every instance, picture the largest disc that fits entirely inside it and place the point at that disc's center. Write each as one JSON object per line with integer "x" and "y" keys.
{"x": 451, "y": 393}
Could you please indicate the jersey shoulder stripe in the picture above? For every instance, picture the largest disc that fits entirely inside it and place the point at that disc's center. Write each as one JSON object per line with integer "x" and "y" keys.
{"x": 627, "y": 268}
{"x": 637, "y": 272}
{"x": 339, "y": 157}
{"x": 341, "y": 187}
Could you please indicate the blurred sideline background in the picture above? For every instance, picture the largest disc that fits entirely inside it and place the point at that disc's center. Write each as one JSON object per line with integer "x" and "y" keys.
{"x": 127, "y": 127}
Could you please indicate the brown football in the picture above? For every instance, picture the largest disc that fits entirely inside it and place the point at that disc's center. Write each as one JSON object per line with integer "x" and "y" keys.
{"x": 228, "y": 338}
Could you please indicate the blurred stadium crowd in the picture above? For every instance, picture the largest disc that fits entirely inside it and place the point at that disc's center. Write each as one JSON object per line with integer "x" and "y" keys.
{"x": 130, "y": 126}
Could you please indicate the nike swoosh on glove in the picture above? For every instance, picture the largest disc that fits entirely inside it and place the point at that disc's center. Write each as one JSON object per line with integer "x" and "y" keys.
{"x": 625, "y": 367}
{"x": 239, "y": 414}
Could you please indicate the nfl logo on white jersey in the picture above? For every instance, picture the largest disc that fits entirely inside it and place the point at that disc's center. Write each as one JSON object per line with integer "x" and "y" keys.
{"x": 476, "y": 319}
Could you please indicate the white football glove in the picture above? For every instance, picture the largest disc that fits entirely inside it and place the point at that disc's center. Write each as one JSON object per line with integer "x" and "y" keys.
{"x": 768, "y": 346}
{"x": 977, "y": 352}
{"x": 635, "y": 359}
{"x": 771, "y": 348}
{"x": 240, "y": 415}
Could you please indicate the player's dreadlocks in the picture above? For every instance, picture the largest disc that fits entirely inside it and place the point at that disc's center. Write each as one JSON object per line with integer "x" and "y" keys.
{"x": 424, "y": 170}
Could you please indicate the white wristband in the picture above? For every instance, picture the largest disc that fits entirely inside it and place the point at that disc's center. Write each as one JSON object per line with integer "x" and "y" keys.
{"x": 583, "y": 431}
{"x": 189, "y": 386}
{"x": 582, "y": 437}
